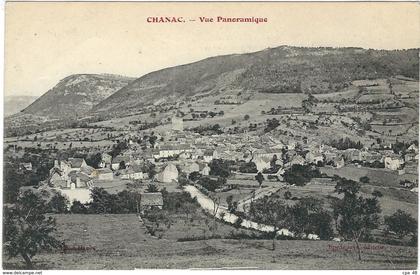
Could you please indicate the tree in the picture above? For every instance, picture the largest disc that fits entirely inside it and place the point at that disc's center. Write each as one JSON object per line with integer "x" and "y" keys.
{"x": 356, "y": 216}
{"x": 94, "y": 160}
{"x": 364, "y": 179}
{"x": 301, "y": 174}
{"x": 269, "y": 211}
{"x": 194, "y": 176}
{"x": 58, "y": 203}
{"x": 377, "y": 193}
{"x": 401, "y": 223}
{"x": 78, "y": 208}
{"x": 27, "y": 230}
{"x": 287, "y": 195}
{"x": 238, "y": 222}
{"x": 152, "y": 188}
{"x": 122, "y": 165}
{"x": 232, "y": 205}
{"x": 220, "y": 167}
{"x": 260, "y": 178}
{"x": 216, "y": 205}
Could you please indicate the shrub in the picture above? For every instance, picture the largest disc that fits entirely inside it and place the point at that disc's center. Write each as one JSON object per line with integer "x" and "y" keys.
{"x": 401, "y": 223}
{"x": 78, "y": 208}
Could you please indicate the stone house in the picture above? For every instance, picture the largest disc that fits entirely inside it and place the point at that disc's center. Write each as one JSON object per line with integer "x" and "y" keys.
{"x": 393, "y": 162}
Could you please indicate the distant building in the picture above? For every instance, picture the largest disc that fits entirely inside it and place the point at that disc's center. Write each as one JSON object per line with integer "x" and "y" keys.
{"x": 134, "y": 172}
{"x": 105, "y": 174}
{"x": 169, "y": 174}
{"x": 177, "y": 124}
{"x": 205, "y": 171}
{"x": 105, "y": 160}
{"x": 262, "y": 162}
{"x": 26, "y": 166}
{"x": 393, "y": 163}
{"x": 151, "y": 200}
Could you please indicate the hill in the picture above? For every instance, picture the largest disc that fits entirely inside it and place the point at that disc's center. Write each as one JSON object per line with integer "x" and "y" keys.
{"x": 75, "y": 95}
{"x": 14, "y": 104}
{"x": 278, "y": 70}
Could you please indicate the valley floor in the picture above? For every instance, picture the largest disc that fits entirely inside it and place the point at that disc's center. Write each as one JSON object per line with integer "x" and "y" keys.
{"x": 121, "y": 242}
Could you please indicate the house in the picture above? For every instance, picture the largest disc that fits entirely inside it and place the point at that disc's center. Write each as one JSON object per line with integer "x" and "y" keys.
{"x": 134, "y": 172}
{"x": 270, "y": 153}
{"x": 370, "y": 157}
{"x": 313, "y": 157}
{"x": 352, "y": 155}
{"x": 72, "y": 164}
{"x": 338, "y": 162}
{"x": 262, "y": 163}
{"x": 115, "y": 163}
{"x": 169, "y": 174}
{"x": 104, "y": 174}
{"x": 413, "y": 148}
{"x": 297, "y": 159}
{"x": 106, "y": 160}
{"x": 409, "y": 156}
{"x": 167, "y": 151}
{"x": 205, "y": 171}
{"x": 88, "y": 170}
{"x": 79, "y": 180}
{"x": 177, "y": 124}
{"x": 189, "y": 167}
{"x": 208, "y": 155}
{"x": 393, "y": 162}
{"x": 26, "y": 166}
{"x": 151, "y": 200}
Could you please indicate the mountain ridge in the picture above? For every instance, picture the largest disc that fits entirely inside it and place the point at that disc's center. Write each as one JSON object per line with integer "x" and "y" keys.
{"x": 75, "y": 95}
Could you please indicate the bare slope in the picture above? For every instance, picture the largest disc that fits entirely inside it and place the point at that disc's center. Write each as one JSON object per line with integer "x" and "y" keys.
{"x": 278, "y": 70}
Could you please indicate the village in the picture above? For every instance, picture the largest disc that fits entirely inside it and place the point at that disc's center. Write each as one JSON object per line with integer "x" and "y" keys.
{"x": 182, "y": 154}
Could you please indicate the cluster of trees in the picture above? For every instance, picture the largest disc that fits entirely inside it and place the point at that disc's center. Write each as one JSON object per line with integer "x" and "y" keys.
{"x": 209, "y": 130}
{"x": 212, "y": 183}
{"x": 271, "y": 124}
{"x": 400, "y": 147}
{"x": 301, "y": 174}
{"x": 248, "y": 167}
{"x": 346, "y": 143}
{"x": 221, "y": 167}
{"x": 354, "y": 216}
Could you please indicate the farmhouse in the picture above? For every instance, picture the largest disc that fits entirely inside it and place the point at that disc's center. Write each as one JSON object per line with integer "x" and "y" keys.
{"x": 393, "y": 162}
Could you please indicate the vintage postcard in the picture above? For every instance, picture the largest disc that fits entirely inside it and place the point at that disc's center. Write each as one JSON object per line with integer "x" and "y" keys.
{"x": 196, "y": 135}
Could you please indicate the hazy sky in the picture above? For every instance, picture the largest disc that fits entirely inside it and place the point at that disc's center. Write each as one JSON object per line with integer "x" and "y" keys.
{"x": 46, "y": 42}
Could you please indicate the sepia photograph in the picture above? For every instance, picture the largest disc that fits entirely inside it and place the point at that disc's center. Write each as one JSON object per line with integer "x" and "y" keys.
{"x": 198, "y": 135}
